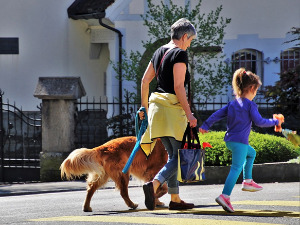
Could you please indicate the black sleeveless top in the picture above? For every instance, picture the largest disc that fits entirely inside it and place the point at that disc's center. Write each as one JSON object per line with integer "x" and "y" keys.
{"x": 165, "y": 78}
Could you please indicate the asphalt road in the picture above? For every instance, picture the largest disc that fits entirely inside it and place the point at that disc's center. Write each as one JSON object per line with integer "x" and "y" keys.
{"x": 278, "y": 203}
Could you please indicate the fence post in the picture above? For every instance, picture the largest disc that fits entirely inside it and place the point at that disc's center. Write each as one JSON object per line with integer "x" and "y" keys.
{"x": 58, "y": 96}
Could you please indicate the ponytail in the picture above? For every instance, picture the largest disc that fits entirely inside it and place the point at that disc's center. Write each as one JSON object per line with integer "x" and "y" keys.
{"x": 243, "y": 81}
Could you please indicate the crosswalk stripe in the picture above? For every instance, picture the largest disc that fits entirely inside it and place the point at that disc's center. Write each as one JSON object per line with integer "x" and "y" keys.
{"x": 200, "y": 211}
{"x": 279, "y": 203}
{"x": 237, "y": 212}
{"x": 145, "y": 220}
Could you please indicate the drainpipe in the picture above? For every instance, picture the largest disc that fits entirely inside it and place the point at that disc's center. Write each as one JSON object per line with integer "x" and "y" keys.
{"x": 1, "y": 138}
{"x": 120, "y": 68}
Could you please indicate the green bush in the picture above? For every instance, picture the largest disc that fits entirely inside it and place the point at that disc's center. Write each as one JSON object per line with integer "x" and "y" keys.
{"x": 268, "y": 148}
{"x": 297, "y": 160}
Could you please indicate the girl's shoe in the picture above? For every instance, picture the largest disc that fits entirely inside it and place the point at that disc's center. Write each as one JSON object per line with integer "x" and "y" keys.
{"x": 252, "y": 186}
{"x": 225, "y": 203}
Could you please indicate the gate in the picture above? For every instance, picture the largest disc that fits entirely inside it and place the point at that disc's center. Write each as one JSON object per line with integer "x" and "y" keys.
{"x": 20, "y": 143}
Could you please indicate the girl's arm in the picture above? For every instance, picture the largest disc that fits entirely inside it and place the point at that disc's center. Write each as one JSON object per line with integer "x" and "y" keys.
{"x": 259, "y": 120}
{"x": 215, "y": 117}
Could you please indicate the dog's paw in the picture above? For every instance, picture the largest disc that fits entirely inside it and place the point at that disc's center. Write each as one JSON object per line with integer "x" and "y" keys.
{"x": 159, "y": 203}
{"x": 134, "y": 206}
{"x": 87, "y": 209}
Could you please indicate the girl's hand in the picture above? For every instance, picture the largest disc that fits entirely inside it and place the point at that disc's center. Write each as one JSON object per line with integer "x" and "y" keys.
{"x": 280, "y": 119}
{"x": 202, "y": 131}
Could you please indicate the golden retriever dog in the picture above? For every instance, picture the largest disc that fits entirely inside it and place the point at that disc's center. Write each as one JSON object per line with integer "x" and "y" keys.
{"x": 108, "y": 160}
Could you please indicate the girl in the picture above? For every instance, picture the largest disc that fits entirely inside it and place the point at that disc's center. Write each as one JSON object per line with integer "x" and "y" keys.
{"x": 240, "y": 113}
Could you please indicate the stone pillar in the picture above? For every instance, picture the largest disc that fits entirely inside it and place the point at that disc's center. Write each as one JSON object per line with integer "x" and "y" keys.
{"x": 58, "y": 96}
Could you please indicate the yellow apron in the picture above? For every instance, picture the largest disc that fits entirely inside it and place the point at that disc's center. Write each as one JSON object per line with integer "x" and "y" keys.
{"x": 166, "y": 118}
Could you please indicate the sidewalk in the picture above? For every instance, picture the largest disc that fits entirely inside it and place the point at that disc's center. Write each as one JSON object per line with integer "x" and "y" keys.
{"x": 48, "y": 187}
{"x": 263, "y": 173}
{"x": 36, "y": 188}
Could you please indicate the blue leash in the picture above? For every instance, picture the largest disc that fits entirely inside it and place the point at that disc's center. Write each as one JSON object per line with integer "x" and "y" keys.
{"x": 139, "y": 133}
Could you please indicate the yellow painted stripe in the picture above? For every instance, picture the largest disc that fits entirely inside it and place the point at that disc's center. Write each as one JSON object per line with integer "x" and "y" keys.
{"x": 237, "y": 212}
{"x": 279, "y": 203}
{"x": 145, "y": 220}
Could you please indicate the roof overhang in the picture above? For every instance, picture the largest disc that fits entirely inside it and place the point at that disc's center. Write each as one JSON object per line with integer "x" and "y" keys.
{"x": 88, "y": 9}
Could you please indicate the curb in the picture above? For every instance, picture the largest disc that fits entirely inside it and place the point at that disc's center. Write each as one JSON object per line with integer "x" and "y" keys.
{"x": 262, "y": 173}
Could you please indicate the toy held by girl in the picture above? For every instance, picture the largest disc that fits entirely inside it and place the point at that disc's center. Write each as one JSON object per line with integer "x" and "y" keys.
{"x": 240, "y": 114}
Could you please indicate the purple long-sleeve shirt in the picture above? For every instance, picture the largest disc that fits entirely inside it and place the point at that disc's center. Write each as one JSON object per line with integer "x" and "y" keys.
{"x": 240, "y": 113}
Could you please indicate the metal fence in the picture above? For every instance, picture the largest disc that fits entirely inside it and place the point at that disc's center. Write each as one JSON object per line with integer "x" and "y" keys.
{"x": 20, "y": 143}
{"x": 97, "y": 121}
{"x": 266, "y": 108}
{"x": 100, "y": 121}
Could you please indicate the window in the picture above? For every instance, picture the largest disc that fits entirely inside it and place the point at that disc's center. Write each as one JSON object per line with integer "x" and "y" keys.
{"x": 9, "y": 46}
{"x": 290, "y": 58}
{"x": 250, "y": 59}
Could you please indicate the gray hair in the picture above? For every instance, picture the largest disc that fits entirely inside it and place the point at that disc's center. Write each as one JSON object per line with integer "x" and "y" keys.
{"x": 181, "y": 27}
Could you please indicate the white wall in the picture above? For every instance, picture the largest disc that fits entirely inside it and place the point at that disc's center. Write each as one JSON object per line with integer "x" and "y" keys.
{"x": 257, "y": 24}
{"x": 80, "y": 64}
{"x": 42, "y": 46}
{"x": 51, "y": 44}
{"x": 261, "y": 25}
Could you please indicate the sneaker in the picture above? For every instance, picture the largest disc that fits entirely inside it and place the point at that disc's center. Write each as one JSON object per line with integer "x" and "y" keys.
{"x": 252, "y": 186}
{"x": 225, "y": 203}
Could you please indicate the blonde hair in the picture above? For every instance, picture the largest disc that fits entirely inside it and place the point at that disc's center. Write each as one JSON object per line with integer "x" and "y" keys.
{"x": 243, "y": 81}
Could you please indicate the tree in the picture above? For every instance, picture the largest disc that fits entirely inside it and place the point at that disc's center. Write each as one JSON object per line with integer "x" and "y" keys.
{"x": 295, "y": 32}
{"x": 209, "y": 73}
{"x": 286, "y": 96}
{"x": 285, "y": 93}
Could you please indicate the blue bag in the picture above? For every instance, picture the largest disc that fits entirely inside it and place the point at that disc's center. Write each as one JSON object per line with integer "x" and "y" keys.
{"x": 190, "y": 158}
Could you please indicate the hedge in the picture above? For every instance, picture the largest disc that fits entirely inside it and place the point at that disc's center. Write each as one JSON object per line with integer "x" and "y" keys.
{"x": 268, "y": 148}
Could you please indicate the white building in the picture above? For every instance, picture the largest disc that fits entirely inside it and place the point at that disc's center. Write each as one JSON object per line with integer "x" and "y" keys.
{"x": 47, "y": 43}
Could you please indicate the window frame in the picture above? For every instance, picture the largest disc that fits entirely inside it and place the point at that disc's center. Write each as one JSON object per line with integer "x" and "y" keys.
{"x": 291, "y": 56}
{"x": 255, "y": 60}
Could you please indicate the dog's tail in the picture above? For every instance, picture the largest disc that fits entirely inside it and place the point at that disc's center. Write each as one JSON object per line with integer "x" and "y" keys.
{"x": 79, "y": 162}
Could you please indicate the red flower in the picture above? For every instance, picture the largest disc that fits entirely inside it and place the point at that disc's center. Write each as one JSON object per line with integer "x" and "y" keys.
{"x": 206, "y": 145}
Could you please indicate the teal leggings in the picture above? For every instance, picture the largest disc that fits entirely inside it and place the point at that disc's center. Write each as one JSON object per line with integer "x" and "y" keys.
{"x": 242, "y": 159}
